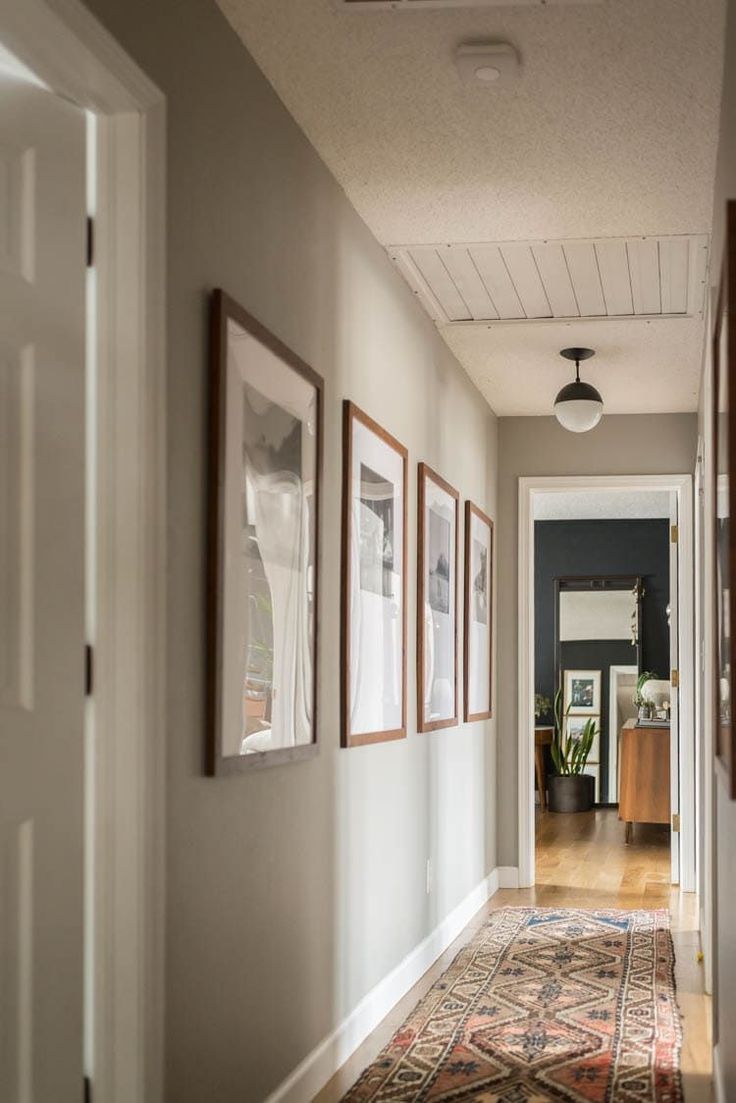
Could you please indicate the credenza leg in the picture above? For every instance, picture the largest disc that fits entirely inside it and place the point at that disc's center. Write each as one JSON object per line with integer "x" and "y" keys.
{"x": 629, "y": 832}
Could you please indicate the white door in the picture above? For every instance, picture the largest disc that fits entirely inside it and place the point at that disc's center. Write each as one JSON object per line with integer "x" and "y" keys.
{"x": 42, "y": 389}
{"x": 675, "y": 734}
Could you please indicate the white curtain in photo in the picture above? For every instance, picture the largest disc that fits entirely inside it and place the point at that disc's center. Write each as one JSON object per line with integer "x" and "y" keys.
{"x": 281, "y": 522}
{"x": 375, "y": 636}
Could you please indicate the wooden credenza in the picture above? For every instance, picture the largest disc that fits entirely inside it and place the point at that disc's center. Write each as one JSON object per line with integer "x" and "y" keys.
{"x": 644, "y": 775}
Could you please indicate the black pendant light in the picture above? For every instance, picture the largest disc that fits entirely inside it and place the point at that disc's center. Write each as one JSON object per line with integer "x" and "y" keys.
{"x": 578, "y": 406}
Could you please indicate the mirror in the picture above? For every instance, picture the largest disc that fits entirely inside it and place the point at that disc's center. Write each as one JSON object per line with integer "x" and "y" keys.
{"x": 598, "y": 657}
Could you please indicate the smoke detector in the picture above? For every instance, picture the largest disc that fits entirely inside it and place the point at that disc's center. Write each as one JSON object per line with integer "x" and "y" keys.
{"x": 487, "y": 65}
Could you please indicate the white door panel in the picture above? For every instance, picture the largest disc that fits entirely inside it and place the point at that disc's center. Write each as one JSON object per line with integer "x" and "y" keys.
{"x": 42, "y": 387}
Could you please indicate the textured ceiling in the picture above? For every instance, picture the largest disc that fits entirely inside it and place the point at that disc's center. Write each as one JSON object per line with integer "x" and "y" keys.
{"x": 611, "y": 131}
{"x": 601, "y": 504}
{"x": 639, "y": 367}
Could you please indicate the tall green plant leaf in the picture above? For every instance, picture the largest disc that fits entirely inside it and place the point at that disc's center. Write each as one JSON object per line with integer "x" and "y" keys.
{"x": 562, "y": 746}
{"x": 557, "y": 757}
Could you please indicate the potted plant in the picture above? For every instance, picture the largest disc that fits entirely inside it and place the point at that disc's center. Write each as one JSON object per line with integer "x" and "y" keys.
{"x": 643, "y": 704}
{"x": 542, "y": 706}
{"x": 571, "y": 790}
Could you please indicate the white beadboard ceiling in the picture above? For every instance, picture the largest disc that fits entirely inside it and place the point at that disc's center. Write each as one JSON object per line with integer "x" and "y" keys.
{"x": 607, "y": 278}
{"x": 603, "y": 149}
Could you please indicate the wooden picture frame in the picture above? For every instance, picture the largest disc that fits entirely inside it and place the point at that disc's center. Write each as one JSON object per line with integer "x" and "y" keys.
{"x": 724, "y": 481}
{"x": 475, "y": 515}
{"x": 574, "y": 726}
{"x": 437, "y": 597}
{"x": 576, "y": 685}
{"x": 265, "y": 446}
{"x": 373, "y": 582}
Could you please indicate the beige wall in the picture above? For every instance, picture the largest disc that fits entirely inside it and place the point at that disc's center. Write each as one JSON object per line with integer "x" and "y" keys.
{"x": 291, "y": 892}
{"x": 647, "y": 444}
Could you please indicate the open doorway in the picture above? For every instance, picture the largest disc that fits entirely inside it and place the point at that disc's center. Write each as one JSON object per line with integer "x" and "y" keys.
{"x": 605, "y": 600}
{"x": 602, "y": 611}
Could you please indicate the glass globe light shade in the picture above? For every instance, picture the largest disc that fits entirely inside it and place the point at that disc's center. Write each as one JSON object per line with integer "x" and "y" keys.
{"x": 578, "y": 407}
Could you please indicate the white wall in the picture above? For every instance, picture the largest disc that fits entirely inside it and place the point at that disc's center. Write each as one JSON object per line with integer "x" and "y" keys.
{"x": 645, "y": 444}
{"x": 292, "y": 891}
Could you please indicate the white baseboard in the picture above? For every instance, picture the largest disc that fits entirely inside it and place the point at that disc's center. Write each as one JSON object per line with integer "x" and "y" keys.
{"x": 508, "y": 877}
{"x": 719, "y": 1087}
{"x": 322, "y": 1063}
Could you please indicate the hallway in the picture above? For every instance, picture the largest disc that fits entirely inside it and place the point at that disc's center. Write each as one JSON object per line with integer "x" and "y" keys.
{"x": 582, "y": 862}
{"x": 375, "y": 449}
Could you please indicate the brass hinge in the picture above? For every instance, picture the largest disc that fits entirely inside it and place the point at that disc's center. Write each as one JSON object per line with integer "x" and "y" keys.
{"x": 675, "y": 821}
{"x": 674, "y": 534}
{"x": 675, "y": 678}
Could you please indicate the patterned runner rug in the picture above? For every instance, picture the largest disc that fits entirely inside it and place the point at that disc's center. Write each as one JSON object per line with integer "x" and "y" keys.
{"x": 543, "y": 1004}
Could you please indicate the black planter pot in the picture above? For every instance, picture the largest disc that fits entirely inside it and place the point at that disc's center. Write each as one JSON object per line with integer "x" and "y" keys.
{"x": 571, "y": 793}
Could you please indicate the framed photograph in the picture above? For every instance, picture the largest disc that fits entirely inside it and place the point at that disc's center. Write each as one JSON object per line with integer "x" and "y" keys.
{"x": 478, "y": 621}
{"x": 574, "y": 729}
{"x": 373, "y": 641}
{"x": 439, "y": 515}
{"x": 582, "y": 692}
{"x": 264, "y": 501}
{"x": 724, "y": 451}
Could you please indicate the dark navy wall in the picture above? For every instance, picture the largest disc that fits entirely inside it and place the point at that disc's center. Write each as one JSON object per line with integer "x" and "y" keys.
{"x": 601, "y": 548}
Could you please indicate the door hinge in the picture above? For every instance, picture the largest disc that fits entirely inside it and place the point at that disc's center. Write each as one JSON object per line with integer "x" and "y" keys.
{"x": 675, "y": 821}
{"x": 90, "y": 241}
{"x": 675, "y": 678}
{"x": 674, "y": 534}
{"x": 87, "y": 1097}
{"x": 88, "y": 670}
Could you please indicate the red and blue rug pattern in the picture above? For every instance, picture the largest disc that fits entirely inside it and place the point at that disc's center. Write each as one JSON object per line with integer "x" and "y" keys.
{"x": 543, "y": 1004}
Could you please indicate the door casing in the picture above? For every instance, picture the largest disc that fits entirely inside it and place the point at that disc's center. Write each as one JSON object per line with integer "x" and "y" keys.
{"x": 76, "y": 57}
{"x": 682, "y": 486}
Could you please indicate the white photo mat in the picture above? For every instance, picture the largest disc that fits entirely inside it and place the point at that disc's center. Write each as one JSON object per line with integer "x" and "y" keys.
{"x": 582, "y": 692}
{"x": 437, "y": 667}
{"x": 478, "y": 622}
{"x": 266, "y": 440}
{"x": 374, "y": 583}
{"x": 574, "y": 726}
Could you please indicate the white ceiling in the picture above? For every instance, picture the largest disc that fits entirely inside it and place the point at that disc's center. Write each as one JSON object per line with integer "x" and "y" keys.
{"x": 601, "y": 505}
{"x": 610, "y": 277}
{"x": 611, "y": 132}
{"x": 639, "y": 367}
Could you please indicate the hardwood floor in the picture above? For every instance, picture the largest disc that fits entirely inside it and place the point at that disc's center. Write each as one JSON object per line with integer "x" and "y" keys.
{"x": 586, "y": 851}
{"x": 582, "y": 862}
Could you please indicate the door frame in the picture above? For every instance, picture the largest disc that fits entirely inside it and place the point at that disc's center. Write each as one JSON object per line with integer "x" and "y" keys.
{"x": 682, "y": 485}
{"x": 707, "y": 484}
{"x": 703, "y": 722}
{"x": 613, "y": 734}
{"x": 75, "y": 56}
